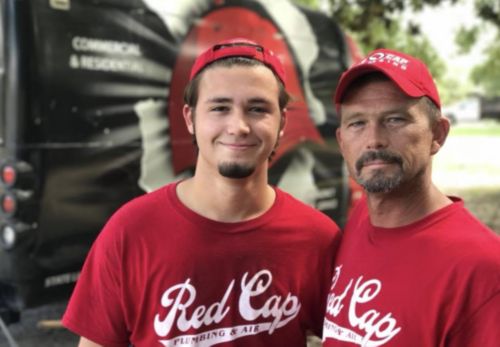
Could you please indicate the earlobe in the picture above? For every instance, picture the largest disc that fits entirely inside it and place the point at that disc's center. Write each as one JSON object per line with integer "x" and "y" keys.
{"x": 187, "y": 112}
{"x": 283, "y": 122}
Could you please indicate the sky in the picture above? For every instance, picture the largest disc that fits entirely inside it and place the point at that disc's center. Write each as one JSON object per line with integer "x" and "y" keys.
{"x": 441, "y": 23}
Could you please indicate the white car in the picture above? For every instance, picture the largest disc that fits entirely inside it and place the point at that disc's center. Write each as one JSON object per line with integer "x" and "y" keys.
{"x": 465, "y": 110}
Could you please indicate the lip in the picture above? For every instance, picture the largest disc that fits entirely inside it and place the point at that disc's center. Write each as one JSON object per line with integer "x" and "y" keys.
{"x": 237, "y": 146}
{"x": 377, "y": 163}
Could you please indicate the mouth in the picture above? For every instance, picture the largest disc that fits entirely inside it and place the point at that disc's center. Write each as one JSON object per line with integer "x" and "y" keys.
{"x": 377, "y": 160}
{"x": 377, "y": 163}
{"x": 237, "y": 146}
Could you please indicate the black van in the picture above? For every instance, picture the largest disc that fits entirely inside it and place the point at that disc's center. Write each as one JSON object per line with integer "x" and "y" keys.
{"x": 90, "y": 100}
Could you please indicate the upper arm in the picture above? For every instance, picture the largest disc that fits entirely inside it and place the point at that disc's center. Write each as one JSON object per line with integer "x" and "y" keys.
{"x": 87, "y": 343}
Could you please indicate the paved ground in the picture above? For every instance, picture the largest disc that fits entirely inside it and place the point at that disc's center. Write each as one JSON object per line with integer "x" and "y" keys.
{"x": 467, "y": 167}
{"x": 29, "y": 334}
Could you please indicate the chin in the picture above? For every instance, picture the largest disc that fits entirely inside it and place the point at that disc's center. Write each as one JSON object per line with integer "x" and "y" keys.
{"x": 236, "y": 170}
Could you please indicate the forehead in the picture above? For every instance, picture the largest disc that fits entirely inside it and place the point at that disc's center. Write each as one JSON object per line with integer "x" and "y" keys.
{"x": 238, "y": 80}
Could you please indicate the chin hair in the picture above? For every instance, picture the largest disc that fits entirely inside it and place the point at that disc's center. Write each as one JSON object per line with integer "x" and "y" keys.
{"x": 232, "y": 170}
{"x": 379, "y": 183}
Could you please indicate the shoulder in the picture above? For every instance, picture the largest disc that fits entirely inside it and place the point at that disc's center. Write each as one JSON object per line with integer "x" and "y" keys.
{"x": 134, "y": 220}
{"x": 299, "y": 213}
{"x": 133, "y": 214}
{"x": 146, "y": 204}
{"x": 464, "y": 229}
{"x": 473, "y": 249}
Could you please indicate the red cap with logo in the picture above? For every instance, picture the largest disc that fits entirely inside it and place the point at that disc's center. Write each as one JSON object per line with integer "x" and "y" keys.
{"x": 407, "y": 72}
{"x": 239, "y": 47}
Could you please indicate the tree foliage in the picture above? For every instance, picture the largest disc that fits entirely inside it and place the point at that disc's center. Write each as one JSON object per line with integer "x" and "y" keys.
{"x": 378, "y": 23}
{"x": 487, "y": 74}
{"x": 489, "y": 10}
{"x": 466, "y": 38}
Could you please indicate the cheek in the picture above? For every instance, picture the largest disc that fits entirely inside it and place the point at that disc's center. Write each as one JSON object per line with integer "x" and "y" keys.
{"x": 268, "y": 130}
{"x": 417, "y": 149}
{"x": 205, "y": 128}
{"x": 351, "y": 149}
{"x": 350, "y": 156}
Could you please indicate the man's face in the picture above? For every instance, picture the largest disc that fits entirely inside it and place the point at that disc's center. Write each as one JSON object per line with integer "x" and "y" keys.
{"x": 386, "y": 138}
{"x": 237, "y": 120}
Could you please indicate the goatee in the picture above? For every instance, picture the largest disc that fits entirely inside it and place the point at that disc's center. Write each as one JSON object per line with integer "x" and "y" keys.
{"x": 233, "y": 170}
{"x": 379, "y": 182}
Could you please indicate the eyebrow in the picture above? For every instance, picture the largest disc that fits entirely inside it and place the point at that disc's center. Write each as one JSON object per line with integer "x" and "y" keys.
{"x": 402, "y": 109}
{"x": 259, "y": 101}
{"x": 220, "y": 100}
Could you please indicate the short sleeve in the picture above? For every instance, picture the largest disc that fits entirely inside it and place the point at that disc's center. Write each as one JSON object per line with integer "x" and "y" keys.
{"x": 95, "y": 309}
{"x": 481, "y": 328}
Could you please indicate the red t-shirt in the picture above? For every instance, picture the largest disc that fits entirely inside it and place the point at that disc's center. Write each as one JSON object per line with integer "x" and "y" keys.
{"x": 159, "y": 274}
{"x": 433, "y": 283}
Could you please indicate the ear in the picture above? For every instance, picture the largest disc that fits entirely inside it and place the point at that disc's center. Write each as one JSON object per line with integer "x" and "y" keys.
{"x": 187, "y": 112}
{"x": 283, "y": 122}
{"x": 439, "y": 134}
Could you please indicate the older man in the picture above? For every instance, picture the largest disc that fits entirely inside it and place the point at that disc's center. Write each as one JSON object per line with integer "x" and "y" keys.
{"x": 415, "y": 268}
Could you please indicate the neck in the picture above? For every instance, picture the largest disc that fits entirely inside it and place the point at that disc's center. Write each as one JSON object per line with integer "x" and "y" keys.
{"x": 405, "y": 205}
{"x": 225, "y": 199}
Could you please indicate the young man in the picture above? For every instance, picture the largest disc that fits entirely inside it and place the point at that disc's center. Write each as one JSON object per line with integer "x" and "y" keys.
{"x": 415, "y": 268}
{"x": 221, "y": 258}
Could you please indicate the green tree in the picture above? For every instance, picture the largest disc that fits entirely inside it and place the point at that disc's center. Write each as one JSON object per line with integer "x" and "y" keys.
{"x": 487, "y": 74}
{"x": 377, "y": 23}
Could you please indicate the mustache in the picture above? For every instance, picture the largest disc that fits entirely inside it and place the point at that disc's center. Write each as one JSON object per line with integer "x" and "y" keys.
{"x": 383, "y": 154}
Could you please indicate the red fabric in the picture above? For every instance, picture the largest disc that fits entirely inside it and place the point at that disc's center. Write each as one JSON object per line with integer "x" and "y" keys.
{"x": 409, "y": 73}
{"x": 434, "y": 283}
{"x": 267, "y": 277}
{"x": 239, "y": 47}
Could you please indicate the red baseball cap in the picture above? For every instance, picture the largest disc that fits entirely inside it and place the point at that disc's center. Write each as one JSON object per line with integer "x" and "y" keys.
{"x": 239, "y": 47}
{"x": 408, "y": 73}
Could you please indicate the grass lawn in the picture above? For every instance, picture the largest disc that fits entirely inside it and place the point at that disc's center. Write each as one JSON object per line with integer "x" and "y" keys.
{"x": 482, "y": 128}
{"x": 468, "y": 165}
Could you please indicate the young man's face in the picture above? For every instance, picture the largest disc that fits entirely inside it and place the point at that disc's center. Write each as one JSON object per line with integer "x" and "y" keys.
{"x": 237, "y": 120}
{"x": 386, "y": 137}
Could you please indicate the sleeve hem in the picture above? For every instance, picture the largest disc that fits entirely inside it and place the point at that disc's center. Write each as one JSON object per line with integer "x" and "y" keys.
{"x": 76, "y": 329}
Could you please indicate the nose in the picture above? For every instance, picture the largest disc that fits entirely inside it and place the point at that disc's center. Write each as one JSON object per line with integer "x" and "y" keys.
{"x": 375, "y": 136}
{"x": 238, "y": 123}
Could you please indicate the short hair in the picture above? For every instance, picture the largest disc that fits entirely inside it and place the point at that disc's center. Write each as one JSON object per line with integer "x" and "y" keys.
{"x": 191, "y": 90}
{"x": 430, "y": 108}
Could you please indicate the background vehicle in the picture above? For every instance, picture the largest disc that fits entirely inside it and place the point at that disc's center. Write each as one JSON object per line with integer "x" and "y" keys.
{"x": 90, "y": 102}
{"x": 490, "y": 108}
{"x": 473, "y": 109}
{"x": 466, "y": 110}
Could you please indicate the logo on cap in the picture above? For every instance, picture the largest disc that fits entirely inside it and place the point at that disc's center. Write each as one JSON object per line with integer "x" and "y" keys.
{"x": 389, "y": 58}
{"x": 407, "y": 72}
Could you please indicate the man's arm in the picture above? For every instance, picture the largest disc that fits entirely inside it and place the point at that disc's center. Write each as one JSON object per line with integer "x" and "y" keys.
{"x": 87, "y": 343}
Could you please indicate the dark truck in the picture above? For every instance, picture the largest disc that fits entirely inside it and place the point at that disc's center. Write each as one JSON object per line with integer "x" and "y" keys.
{"x": 90, "y": 117}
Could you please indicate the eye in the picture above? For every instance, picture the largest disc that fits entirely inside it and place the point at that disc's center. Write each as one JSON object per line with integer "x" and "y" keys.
{"x": 219, "y": 108}
{"x": 355, "y": 124}
{"x": 395, "y": 120}
{"x": 258, "y": 109}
